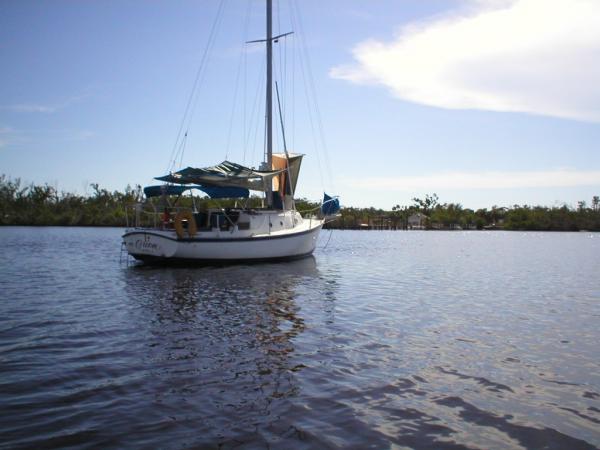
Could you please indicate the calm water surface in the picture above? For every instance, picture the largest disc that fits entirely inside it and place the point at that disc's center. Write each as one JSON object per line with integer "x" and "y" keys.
{"x": 382, "y": 340}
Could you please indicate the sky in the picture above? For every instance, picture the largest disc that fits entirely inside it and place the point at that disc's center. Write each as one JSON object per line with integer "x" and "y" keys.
{"x": 484, "y": 102}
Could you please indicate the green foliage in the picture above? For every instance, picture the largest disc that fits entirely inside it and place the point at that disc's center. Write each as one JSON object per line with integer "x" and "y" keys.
{"x": 426, "y": 204}
{"x": 44, "y": 205}
{"x": 552, "y": 219}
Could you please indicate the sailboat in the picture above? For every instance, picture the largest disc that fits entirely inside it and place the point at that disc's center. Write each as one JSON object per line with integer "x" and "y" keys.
{"x": 239, "y": 233}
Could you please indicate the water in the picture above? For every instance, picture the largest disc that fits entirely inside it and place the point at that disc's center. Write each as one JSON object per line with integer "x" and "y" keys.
{"x": 383, "y": 340}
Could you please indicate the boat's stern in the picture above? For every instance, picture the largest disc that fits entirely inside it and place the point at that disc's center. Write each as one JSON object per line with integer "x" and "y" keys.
{"x": 145, "y": 244}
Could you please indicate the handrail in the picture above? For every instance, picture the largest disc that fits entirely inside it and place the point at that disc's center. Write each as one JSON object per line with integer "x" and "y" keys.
{"x": 309, "y": 210}
{"x": 318, "y": 207}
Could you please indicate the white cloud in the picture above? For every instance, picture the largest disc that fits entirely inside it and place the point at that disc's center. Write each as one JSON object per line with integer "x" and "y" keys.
{"x": 533, "y": 56}
{"x": 11, "y": 137}
{"x": 44, "y": 108}
{"x": 4, "y": 132}
{"x": 33, "y": 108}
{"x": 485, "y": 180}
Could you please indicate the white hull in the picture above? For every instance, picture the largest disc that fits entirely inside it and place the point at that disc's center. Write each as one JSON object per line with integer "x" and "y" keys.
{"x": 163, "y": 245}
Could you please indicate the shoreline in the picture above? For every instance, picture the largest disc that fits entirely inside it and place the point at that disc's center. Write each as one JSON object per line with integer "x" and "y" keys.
{"x": 123, "y": 227}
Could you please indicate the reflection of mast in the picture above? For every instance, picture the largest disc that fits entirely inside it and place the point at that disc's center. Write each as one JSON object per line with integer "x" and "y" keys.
{"x": 252, "y": 339}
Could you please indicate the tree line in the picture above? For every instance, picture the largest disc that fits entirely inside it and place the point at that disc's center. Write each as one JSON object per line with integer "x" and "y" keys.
{"x": 45, "y": 205}
{"x": 452, "y": 216}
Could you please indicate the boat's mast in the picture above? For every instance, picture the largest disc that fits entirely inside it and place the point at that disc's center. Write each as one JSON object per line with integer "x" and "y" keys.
{"x": 269, "y": 90}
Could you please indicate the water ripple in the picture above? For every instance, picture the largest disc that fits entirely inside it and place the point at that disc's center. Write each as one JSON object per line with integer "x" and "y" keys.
{"x": 383, "y": 340}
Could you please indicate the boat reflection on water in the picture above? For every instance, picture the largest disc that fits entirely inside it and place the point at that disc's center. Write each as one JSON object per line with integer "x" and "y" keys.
{"x": 220, "y": 342}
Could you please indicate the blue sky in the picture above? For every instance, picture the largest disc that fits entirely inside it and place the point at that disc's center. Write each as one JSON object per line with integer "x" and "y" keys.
{"x": 485, "y": 102}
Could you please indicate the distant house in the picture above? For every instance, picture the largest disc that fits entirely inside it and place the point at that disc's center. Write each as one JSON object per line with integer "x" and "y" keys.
{"x": 416, "y": 221}
{"x": 380, "y": 223}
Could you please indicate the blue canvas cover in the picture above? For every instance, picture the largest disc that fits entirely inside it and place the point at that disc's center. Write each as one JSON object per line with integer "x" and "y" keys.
{"x": 224, "y": 191}
{"x": 166, "y": 189}
{"x": 211, "y": 191}
{"x": 330, "y": 206}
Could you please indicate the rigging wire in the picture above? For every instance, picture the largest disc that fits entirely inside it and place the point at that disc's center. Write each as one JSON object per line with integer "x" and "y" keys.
{"x": 285, "y": 76}
{"x": 254, "y": 124}
{"x": 179, "y": 145}
{"x": 195, "y": 104}
{"x": 314, "y": 113}
{"x": 265, "y": 150}
{"x": 245, "y": 94}
{"x": 328, "y": 239}
{"x": 281, "y": 51}
{"x": 306, "y": 94}
{"x": 282, "y": 65}
{"x": 183, "y": 142}
{"x": 313, "y": 90}
{"x": 237, "y": 79}
{"x": 293, "y": 88}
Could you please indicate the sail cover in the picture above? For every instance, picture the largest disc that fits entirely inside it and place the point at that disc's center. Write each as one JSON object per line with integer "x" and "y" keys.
{"x": 330, "y": 205}
{"x": 286, "y": 181}
{"x": 211, "y": 191}
{"x": 226, "y": 174}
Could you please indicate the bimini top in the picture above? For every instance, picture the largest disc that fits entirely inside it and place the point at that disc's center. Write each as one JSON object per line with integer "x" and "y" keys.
{"x": 226, "y": 174}
{"x": 212, "y": 191}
